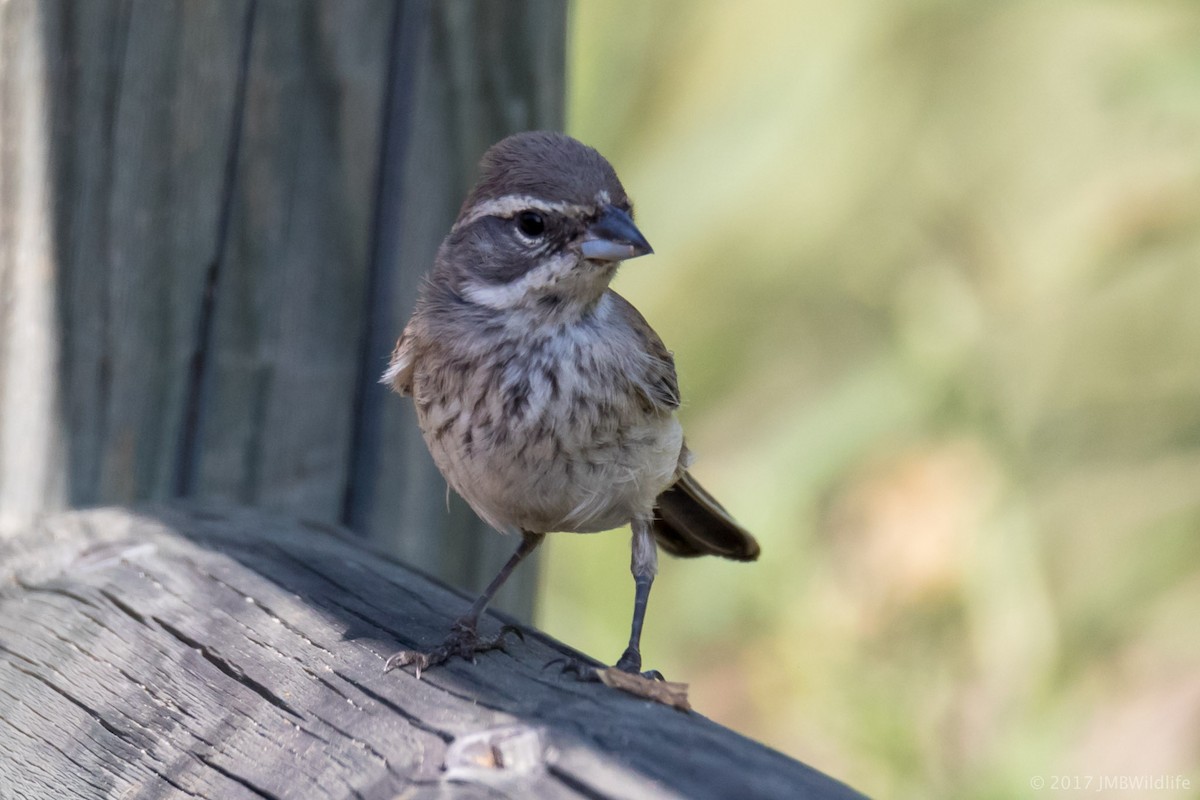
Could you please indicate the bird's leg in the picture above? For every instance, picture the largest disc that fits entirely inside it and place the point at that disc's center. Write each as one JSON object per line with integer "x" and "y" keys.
{"x": 643, "y": 565}
{"x": 464, "y": 640}
{"x": 631, "y": 659}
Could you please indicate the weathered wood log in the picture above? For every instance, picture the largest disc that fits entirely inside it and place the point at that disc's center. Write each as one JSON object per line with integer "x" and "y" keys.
{"x": 213, "y": 219}
{"x": 185, "y": 652}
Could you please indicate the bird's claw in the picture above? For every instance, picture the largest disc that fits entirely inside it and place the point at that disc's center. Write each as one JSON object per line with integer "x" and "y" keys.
{"x": 589, "y": 673}
{"x": 630, "y": 663}
{"x": 513, "y": 629}
{"x": 573, "y": 666}
{"x": 463, "y": 641}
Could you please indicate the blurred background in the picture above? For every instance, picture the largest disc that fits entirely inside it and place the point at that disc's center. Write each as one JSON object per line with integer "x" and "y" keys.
{"x": 931, "y": 273}
{"x": 930, "y": 269}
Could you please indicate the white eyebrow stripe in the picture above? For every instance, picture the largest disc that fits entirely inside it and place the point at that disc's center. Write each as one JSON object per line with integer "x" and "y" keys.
{"x": 511, "y": 204}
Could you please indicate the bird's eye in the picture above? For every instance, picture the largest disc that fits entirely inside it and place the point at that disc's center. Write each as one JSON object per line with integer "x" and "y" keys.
{"x": 531, "y": 223}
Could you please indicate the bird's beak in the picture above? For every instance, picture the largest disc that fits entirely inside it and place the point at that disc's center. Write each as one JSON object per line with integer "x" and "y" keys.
{"x": 614, "y": 237}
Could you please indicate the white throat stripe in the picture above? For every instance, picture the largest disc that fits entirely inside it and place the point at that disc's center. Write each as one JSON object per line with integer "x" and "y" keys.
{"x": 525, "y": 289}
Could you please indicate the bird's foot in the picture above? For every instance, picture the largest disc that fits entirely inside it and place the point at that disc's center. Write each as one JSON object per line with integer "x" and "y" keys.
{"x": 626, "y": 676}
{"x": 631, "y": 662}
{"x": 590, "y": 673}
{"x": 463, "y": 641}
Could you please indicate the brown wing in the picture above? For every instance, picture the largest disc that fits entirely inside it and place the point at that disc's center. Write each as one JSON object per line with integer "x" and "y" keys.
{"x": 657, "y": 380}
{"x": 689, "y": 522}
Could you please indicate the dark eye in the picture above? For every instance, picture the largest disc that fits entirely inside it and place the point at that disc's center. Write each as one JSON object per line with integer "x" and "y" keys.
{"x": 531, "y": 223}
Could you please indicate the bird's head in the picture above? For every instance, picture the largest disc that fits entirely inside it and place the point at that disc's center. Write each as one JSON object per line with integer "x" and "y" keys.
{"x": 545, "y": 227}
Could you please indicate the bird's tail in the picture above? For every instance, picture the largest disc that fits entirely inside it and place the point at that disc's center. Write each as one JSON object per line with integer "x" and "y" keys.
{"x": 689, "y": 522}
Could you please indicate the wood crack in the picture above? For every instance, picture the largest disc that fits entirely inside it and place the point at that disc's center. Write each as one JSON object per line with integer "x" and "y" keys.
{"x": 408, "y": 23}
{"x": 58, "y": 590}
{"x": 395, "y": 634}
{"x": 233, "y": 776}
{"x": 81, "y": 771}
{"x": 229, "y": 668}
{"x": 408, "y": 716}
{"x": 575, "y": 784}
{"x": 123, "y": 608}
{"x": 289, "y": 627}
{"x": 124, "y": 736}
{"x": 187, "y": 461}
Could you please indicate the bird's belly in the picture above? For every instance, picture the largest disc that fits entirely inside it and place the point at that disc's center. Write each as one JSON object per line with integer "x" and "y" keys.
{"x": 551, "y": 471}
{"x": 604, "y": 482}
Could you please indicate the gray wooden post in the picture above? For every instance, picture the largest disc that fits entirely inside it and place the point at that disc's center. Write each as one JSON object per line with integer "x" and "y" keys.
{"x": 213, "y": 219}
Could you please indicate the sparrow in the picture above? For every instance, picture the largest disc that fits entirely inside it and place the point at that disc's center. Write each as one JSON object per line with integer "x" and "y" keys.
{"x": 546, "y": 400}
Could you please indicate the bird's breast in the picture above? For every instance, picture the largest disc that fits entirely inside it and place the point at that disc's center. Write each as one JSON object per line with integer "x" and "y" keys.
{"x": 547, "y": 433}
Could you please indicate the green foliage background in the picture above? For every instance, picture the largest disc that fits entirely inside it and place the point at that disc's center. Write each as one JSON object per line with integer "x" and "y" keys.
{"x": 931, "y": 273}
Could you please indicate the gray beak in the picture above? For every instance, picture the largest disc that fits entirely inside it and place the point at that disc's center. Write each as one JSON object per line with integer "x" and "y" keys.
{"x": 614, "y": 237}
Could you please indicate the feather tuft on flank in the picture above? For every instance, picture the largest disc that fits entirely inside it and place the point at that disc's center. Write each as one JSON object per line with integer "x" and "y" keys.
{"x": 399, "y": 374}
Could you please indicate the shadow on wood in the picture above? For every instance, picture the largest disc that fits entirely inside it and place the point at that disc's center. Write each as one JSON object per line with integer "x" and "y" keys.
{"x": 229, "y": 654}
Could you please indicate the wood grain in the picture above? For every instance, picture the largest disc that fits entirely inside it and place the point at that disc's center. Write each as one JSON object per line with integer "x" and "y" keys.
{"x": 214, "y": 217}
{"x": 188, "y": 652}
{"x": 485, "y": 70}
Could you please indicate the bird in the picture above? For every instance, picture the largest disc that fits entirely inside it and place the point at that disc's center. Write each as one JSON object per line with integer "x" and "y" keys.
{"x": 545, "y": 398}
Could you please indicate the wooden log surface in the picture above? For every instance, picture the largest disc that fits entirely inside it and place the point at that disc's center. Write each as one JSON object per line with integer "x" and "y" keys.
{"x": 192, "y": 652}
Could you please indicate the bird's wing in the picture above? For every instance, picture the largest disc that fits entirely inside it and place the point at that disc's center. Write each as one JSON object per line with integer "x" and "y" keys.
{"x": 655, "y": 373}
{"x": 399, "y": 374}
{"x": 688, "y": 521}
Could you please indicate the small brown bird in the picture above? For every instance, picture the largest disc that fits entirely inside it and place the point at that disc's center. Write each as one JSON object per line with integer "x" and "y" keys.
{"x": 545, "y": 398}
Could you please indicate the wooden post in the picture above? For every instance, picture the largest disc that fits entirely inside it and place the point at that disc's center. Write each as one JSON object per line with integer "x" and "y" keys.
{"x": 213, "y": 219}
{"x": 232, "y": 654}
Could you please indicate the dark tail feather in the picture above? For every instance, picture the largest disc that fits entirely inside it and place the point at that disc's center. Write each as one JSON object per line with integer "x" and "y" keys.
{"x": 689, "y": 522}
